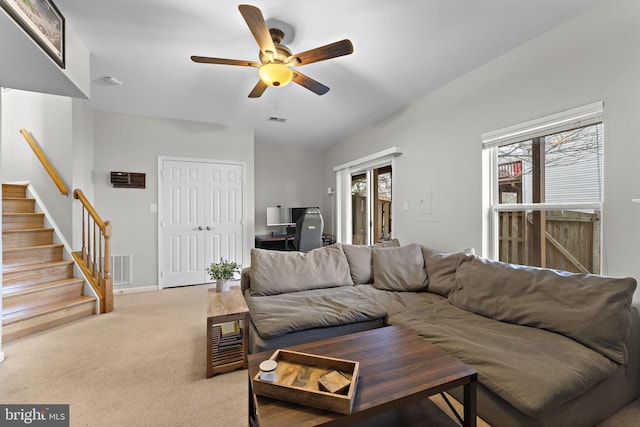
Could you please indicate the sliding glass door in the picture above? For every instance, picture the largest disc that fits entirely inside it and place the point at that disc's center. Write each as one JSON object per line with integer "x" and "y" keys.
{"x": 371, "y": 206}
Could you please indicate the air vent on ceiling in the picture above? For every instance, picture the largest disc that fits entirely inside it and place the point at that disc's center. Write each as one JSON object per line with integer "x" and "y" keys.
{"x": 111, "y": 81}
{"x": 277, "y": 119}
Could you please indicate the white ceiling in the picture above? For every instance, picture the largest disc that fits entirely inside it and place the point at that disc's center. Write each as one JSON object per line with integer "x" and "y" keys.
{"x": 402, "y": 50}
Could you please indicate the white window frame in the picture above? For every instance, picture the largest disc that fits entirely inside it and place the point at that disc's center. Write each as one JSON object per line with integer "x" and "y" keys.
{"x": 344, "y": 173}
{"x": 570, "y": 119}
{"x": 368, "y": 173}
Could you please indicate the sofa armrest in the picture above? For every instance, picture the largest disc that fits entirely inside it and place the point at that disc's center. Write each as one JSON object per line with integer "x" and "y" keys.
{"x": 245, "y": 279}
{"x": 633, "y": 364}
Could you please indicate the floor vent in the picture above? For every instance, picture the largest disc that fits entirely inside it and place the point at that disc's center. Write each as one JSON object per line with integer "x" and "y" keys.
{"x": 121, "y": 269}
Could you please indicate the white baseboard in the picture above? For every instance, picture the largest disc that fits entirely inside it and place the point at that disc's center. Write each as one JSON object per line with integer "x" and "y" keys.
{"x": 134, "y": 289}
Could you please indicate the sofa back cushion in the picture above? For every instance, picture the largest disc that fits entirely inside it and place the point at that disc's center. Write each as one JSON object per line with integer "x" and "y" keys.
{"x": 276, "y": 272}
{"x": 441, "y": 269}
{"x": 361, "y": 262}
{"x": 593, "y": 310}
{"x": 399, "y": 269}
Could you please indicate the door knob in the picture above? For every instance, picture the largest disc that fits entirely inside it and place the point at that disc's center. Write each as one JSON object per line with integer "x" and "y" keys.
{"x": 200, "y": 228}
{"x": 209, "y": 227}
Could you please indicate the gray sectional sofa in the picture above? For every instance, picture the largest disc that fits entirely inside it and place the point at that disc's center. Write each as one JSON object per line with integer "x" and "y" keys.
{"x": 551, "y": 348}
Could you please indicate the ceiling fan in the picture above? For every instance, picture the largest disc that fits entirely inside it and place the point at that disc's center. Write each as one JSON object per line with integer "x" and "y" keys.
{"x": 276, "y": 59}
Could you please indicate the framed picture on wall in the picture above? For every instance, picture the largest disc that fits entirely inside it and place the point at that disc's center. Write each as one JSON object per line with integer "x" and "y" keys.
{"x": 42, "y": 21}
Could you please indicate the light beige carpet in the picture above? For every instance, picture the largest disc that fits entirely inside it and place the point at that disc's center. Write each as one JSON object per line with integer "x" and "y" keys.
{"x": 144, "y": 364}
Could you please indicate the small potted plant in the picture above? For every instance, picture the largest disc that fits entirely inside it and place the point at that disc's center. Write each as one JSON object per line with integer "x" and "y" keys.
{"x": 222, "y": 272}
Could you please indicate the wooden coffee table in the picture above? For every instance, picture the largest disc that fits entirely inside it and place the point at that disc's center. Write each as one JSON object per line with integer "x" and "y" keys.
{"x": 398, "y": 372}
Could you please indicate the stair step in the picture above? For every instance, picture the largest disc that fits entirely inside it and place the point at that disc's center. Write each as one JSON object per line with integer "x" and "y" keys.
{"x": 31, "y": 254}
{"x": 29, "y": 237}
{"x": 17, "y": 205}
{"x": 22, "y": 297}
{"x": 26, "y": 322}
{"x": 21, "y": 221}
{"x": 33, "y": 274}
{"x": 39, "y": 291}
{"x": 14, "y": 190}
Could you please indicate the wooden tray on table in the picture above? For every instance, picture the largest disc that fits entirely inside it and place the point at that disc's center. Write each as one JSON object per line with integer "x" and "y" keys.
{"x": 297, "y": 379}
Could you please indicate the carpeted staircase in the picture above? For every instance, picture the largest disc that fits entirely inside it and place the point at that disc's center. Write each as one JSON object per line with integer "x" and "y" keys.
{"x": 39, "y": 288}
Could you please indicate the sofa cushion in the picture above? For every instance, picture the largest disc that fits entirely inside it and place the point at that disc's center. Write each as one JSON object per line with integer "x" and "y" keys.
{"x": 399, "y": 269}
{"x": 276, "y": 315}
{"x": 361, "y": 262}
{"x": 441, "y": 269}
{"x": 532, "y": 369}
{"x": 275, "y": 272}
{"x": 593, "y": 310}
{"x": 396, "y": 302}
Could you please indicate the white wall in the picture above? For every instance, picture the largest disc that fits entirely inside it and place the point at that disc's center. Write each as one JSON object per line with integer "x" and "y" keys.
{"x": 82, "y": 130}
{"x": 592, "y": 57}
{"x": 133, "y": 143}
{"x": 27, "y": 67}
{"x": 286, "y": 176}
{"x": 49, "y": 120}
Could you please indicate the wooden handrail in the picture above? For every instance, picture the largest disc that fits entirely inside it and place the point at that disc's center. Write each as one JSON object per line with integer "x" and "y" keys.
{"x": 37, "y": 150}
{"x": 95, "y": 256}
{"x": 78, "y": 194}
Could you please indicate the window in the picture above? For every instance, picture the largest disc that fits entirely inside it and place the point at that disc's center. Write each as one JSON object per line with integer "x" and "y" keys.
{"x": 364, "y": 202}
{"x": 544, "y": 191}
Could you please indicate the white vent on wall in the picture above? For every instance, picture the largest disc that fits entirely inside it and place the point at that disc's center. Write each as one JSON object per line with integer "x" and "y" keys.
{"x": 122, "y": 272}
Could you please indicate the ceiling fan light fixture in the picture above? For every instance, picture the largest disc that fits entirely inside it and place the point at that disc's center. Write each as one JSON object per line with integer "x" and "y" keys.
{"x": 276, "y": 58}
{"x": 275, "y": 74}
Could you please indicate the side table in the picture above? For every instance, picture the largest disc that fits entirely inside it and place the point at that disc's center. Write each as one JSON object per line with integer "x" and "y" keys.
{"x": 226, "y": 307}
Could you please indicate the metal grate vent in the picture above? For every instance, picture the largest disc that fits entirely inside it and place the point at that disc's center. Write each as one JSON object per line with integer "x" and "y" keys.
{"x": 128, "y": 180}
{"x": 121, "y": 269}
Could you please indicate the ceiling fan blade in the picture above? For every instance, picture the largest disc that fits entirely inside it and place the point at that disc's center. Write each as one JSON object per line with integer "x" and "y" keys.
{"x": 258, "y": 89}
{"x": 311, "y": 84}
{"x": 333, "y": 50}
{"x": 256, "y": 23}
{"x": 223, "y": 61}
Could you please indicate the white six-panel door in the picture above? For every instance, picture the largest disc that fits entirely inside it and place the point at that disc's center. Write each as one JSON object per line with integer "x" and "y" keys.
{"x": 223, "y": 213}
{"x": 201, "y": 219}
{"x": 183, "y": 216}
